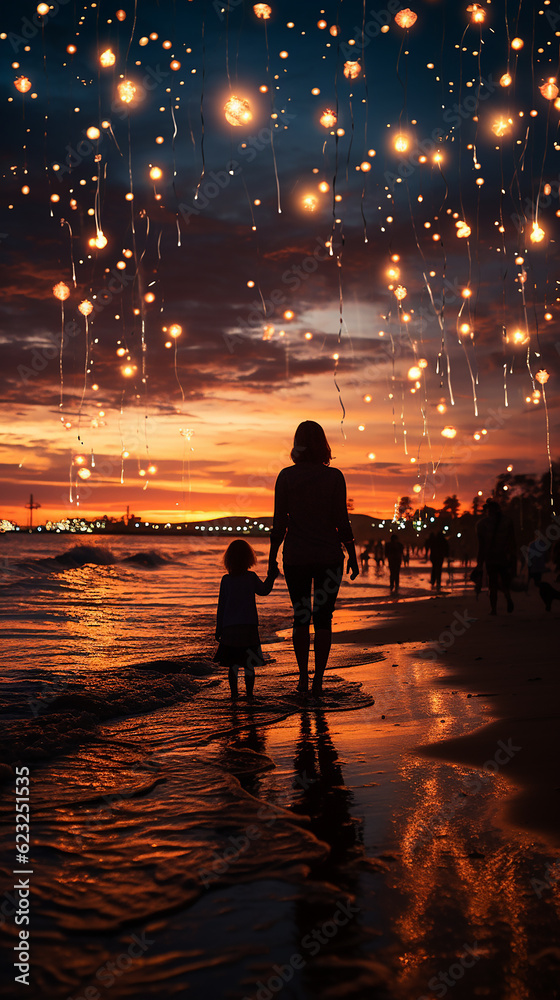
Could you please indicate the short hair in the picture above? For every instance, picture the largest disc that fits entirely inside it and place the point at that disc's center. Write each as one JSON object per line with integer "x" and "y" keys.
{"x": 310, "y": 444}
{"x": 239, "y": 557}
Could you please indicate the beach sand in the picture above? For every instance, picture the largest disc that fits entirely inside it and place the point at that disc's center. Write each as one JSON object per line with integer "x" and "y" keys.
{"x": 510, "y": 662}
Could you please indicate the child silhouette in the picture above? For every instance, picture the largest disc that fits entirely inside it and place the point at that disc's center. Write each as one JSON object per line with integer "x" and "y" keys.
{"x": 237, "y": 624}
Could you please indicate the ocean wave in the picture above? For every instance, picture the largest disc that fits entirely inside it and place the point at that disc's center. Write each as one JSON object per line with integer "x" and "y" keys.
{"x": 92, "y": 555}
{"x": 71, "y": 717}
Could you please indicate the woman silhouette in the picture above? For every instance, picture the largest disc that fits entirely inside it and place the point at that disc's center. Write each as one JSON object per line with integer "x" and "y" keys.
{"x": 310, "y": 511}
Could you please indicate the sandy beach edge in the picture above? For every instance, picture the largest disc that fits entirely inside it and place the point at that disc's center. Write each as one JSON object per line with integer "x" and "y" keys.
{"x": 511, "y": 663}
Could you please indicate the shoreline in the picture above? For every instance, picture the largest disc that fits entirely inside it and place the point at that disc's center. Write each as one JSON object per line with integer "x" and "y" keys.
{"x": 509, "y": 663}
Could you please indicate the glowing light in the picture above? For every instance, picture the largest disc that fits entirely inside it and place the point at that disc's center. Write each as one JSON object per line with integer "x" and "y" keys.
{"x": 517, "y": 44}
{"x": 309, "y": 202}
{"x": 400, "y": 293}
{"x": 548, "y": 317}
{"x": 478, "y": 14}
{"x": 463, "y": 230}
{"x": 367, "y": 399}
{"x": 371, "y": 456}
{"x": 79, "y": 460}
{"x": 406, "y": 18}
{"x": 549, "y": 89}
{"x": 289, "y": 314}
{"x": 86, "y": 307}
{"x": 61, "y": 291}
{"x": 175, "y": 330}
{"x": 107, "y": 58}
{"x": 352, "y": 69}
{"x": 365, "y": 166}
{"x": 156, "y": 173}
{"x": 283, "y": 54}
{"x": 121, "y": 15}
{"x": 149, "y": 297}
{"x": 43, "y": 8}
{"x": 542, "y": 377}
{"x": 324, "y": 187}
{"x": 128, "y": 370}
{"x": 417, "y": 488}
{"x": 127, "y": 91}
{"x": 84, "y": 473}
{"x": 500, "y": 127}
{"x": 309, "y": 336}
{"x": 506, "y": 80}
{"x": 175, "y": 65}
{"x": 401, "y": 143}
{"x": 449, "y": 432}
{"x": 93, "y": 132}
{"x": 414, "y": 373}
{"x": 268, "y": 332}
{"x": 100, "y": 241}
{"x": 328, "y": 119}
{"x": 334, "y": 30}
{"x": 262, "y": 11}
{"x": 23, "y": 84}
{"x": 537, "y": 234}
{"x": 422, "y": 363}
{"x": 466, "y": 293}
{"x": 238, "y": 111}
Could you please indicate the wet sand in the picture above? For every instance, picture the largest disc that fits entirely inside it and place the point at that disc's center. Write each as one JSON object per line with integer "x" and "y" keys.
{"x": 512, "y": 664}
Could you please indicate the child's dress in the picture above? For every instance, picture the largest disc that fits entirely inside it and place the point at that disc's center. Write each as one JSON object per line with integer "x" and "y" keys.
{"x": 237, "y": 626}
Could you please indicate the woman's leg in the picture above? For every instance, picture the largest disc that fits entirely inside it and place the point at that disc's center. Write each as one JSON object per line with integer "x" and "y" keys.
{"x": 321, "y": 648}
{"x": 300, "y": 639}
{"x": 298, "y": 581}
{"x": 326, "y": 584}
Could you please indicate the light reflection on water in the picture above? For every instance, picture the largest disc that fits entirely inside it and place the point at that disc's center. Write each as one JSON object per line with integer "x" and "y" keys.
{"x": 125, "y": 824}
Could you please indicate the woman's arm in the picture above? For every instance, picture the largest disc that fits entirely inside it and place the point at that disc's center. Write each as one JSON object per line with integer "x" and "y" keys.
{"x": 280, "y": 522}
{"x": 344, "y": 528}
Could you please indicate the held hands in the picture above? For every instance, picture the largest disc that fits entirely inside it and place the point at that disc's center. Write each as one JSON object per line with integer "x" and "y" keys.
{"x": 352, "y": 568}
{"x": 273, "y": 569}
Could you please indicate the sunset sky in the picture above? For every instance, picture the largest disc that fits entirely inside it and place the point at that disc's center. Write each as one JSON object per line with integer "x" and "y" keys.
{"x": 217, "y": 425}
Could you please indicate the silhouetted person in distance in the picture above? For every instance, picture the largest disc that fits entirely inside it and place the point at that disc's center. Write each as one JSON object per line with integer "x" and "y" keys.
{"x": 379, "y": 554}
{"x": 311, "y": 518}
{"x": 406, "y": 555}
{"x": 438, "y": 549}
{"x": 394, "y": 553}
{"x": 537, "y": 561}
{"x": 497, "y": 551}
{"x": 428, "y": 545}
{"x": 364, "y": 558}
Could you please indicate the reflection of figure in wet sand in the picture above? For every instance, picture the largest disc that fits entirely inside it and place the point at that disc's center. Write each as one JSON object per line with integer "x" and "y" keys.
{"x": 310, "y": 512}
{"x": 320, "y": 794}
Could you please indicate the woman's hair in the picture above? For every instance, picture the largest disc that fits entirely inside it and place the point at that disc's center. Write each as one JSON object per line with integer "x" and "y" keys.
{"x": 239, "y": 557}
{"x": 310, "y": 444}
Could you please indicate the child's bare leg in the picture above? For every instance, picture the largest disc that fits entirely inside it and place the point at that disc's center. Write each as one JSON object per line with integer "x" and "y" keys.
{"x": 232, "y": 677}
{"x": 249, "y": 680}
